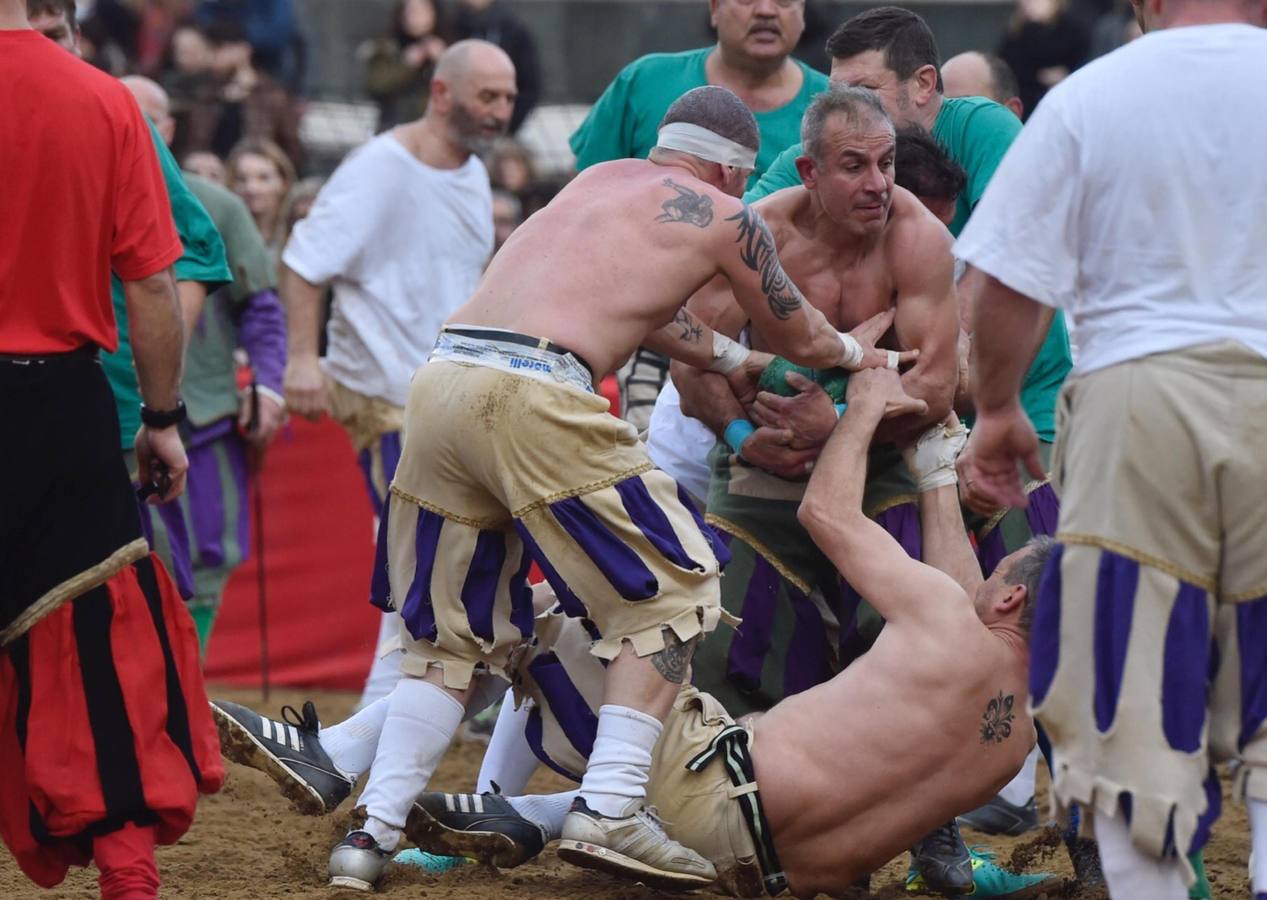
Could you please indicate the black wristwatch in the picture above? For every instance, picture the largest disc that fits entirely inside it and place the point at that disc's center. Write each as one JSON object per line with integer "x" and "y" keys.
{"x": 163, "y": 418}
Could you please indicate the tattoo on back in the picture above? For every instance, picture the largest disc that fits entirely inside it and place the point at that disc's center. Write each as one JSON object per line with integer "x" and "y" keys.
{"x": 688, "y": 206}
{"x": 996, "y": 724}
{"x": 758, "y": 253}
{"x": 675, "y": 659}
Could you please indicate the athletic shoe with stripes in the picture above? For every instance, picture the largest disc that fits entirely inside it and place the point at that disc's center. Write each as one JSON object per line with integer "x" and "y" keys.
{"x": 357, "y": 862}
{"x": 483, "y": 827}
{"x": 289, "y": 752}
{"x": 633, "y": 846}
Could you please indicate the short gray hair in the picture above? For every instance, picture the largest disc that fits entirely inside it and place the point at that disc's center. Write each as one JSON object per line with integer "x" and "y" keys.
{"x": 720, "y": 111}
{"x": 1028, "y": 570}
{"x": 856, "y": 104}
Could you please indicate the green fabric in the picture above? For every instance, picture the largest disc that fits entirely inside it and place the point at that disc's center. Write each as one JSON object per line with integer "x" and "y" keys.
{"x": 976, "y": 132}
{"x": 1045, "y": 377}
{"x": 774, "y": 379}
{"x": 204, "y": 261}
{"x": 1200, "y": 889}
{"x": 624, "y": 121}
{"x": 210, "y": 386}
{"x": 204, "y": 618}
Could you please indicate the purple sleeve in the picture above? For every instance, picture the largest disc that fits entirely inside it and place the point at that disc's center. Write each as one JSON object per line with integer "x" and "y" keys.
{"x": 262, "y": 334}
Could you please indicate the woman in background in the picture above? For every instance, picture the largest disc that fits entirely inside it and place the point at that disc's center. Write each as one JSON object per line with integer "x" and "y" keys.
{"x": 263, "y": 175}
{"x": 399, "y": 67}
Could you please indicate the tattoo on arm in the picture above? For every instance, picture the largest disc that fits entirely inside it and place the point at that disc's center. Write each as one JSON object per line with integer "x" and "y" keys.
{"x": 688, "y": 206}
{"x": 756, "y": 249}
{"x": 692, "y": 331}
{"x": 675, "y": 659}
{"x": 996, "y": 724}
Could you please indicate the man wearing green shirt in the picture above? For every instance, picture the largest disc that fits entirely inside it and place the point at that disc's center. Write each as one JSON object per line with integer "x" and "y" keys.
{"x": 752, "y": 57}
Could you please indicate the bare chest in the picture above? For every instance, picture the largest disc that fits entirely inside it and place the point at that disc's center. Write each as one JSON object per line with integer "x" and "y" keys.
{"x": 848, "y": 294}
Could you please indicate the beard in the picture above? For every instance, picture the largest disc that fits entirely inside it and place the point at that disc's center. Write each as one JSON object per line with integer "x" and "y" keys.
{"x": 476, "y": 134}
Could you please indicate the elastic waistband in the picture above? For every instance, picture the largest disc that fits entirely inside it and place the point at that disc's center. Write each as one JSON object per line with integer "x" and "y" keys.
{"x": 479, "y": 333}
{"x": 87, "y": 351}
{"x": 516, "y": 354}
{"x": 730, "y": 745}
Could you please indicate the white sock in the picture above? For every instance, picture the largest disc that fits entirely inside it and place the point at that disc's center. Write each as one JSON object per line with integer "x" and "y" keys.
{"x": 385, "y": 670}
{"x": 509, "y": 760}
{"x": 1258, "y": 832}
{"x": 548, "y": 810}
{"x": 620, "y": 761}
{"x": 353, "y": 742}
{"x": 1132, "y": 874}
{"x": 1020, "y": 790}
{"x": 421, "y": 720}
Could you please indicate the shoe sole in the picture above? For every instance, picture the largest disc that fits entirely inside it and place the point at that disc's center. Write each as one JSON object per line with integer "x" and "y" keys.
{"x": 1007, "y": 831}
{"x": 239, "y": 745}
{"x": 592, "y": 856}
{"x": 492, "y": 847}
{"x": 347, "y": 881}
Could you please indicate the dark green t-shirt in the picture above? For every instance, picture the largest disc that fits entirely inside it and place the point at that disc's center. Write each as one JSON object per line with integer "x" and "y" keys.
{"x": 624, "y": 121}
{"x": 976, "y": 132}
{"x": 204, "y": 261}
{"x": 210, "y": 385}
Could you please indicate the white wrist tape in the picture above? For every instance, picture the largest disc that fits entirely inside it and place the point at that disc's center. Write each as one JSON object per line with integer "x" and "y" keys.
{"x": 931, "y": 459}
{"x": 851, "y": 353}
{"x": 728, "y": 355}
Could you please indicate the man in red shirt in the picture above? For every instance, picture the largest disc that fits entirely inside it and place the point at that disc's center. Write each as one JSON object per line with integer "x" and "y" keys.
{"x": 105, "y": 737}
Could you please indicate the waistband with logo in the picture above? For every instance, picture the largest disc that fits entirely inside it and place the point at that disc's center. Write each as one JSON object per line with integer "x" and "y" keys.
{"x": 519, "y": 354}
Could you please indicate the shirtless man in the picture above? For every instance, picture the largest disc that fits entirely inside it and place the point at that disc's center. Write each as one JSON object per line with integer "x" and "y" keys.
{"x": 511, "y": 457}
{"x": 840, "y": 794}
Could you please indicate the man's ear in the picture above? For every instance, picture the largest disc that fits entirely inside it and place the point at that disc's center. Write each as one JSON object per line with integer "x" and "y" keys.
{"x": 807, "y": 170}
{"x": 925, "y": 83}
{"x": 441, "y": 95}
{"x": 1014, "y": 599}
{"x": 712, "y": 12}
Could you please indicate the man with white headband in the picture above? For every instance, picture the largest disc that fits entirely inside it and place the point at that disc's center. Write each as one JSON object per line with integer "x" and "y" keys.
{"x": 510, "y": 457}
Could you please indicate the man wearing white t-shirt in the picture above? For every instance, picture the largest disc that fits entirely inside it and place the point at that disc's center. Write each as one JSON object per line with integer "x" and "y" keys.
{"x": 402, "y": 232}
{"x": 1133, "y": 200}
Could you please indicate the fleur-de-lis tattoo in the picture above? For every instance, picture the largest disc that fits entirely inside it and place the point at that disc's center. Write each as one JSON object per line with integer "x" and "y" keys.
{"x": 996, "y": 724}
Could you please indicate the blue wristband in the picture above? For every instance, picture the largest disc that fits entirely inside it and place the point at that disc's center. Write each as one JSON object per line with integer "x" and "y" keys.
{"x": 737, "y": 432}
{"x": 840, "y": 409}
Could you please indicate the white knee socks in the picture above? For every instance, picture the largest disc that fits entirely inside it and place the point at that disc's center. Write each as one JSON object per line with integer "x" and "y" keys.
{"x": 508, "y": 761}
{"x": 1258, "y": 831}
{"x": 1020, "y": 790}
{"x": 1132, "y": 874}
{"x": 352, "y": 743}
{"x": 385, "y": 671}
{"x": 547, "y": 810}
{"x": 621, "y": 760}
{"x": 421, "y": 720}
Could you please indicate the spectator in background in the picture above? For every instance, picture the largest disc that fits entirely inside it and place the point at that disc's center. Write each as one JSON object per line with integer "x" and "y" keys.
{"x": 97, "y": 47}
{"x": 511, "y": 168}
{"x": 248, "y": 102}
{"x": 1043, "y": 44}
{"x": 206, "y": 164}
{"x": 974, "y": 74}
{"x": 1114, "y": 28}
{"x": 188, "y": 79}
{"x": 262, "y": 175}
{"x": 299, "y": 202}
{"x": 508, "y": 214}
{"x": 268, "y": 25}
{"x": 398, "y": 71}
{"x": 489, "y": 20}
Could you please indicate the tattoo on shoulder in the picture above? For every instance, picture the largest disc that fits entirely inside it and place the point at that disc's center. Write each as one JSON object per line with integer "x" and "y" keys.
{"x": 996, "y": 724}
{"x": 674, "y": 660}
{"x": 692, "y": 331}
{"x": 756, "y": 249}
{"x": 688, "y": 206}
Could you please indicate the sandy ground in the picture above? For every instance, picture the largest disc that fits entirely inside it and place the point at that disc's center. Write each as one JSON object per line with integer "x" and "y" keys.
{"x": 248, "y": 843}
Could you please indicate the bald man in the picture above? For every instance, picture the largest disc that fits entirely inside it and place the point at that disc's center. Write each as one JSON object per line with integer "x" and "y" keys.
{"x": 401, "y": 233}
{"x": 974, "y": 74}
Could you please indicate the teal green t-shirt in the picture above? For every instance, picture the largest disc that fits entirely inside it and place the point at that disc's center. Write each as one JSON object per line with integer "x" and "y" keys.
{"x": 1045, "y": 377}
{"x": 976, "y": 132}
{"x": 624, "y": 121}
{"x": 204, "y": 261}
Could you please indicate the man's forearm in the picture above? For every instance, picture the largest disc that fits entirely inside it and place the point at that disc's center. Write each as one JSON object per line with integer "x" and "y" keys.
{"x": 1008, "y": 329}
{"x": 193, "y": 296}
{"x": 922, "y": 383}
{"x": 156, "y": 326}
{"x": 302, "y": 300}
{"x": 945, "y": 539}
{"x": 706, "y": 396}
{"x": 262, "y": 334}
{"x": 686, "y": 339}
{"x": 817, "y": 347}
{"x": 840, "y": 475}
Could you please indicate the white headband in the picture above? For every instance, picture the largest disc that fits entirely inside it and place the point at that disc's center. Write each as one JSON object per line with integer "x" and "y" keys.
{"x": 705, "y": 144}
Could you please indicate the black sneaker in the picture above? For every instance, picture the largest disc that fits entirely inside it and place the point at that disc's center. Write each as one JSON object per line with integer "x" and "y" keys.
{"x": 941, "y": 863}
{"x": 1001, "y": 817}
{"x": 289, "y": 752}
{"x": 357, "y": 862}
{"x": 484, "y": 827}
